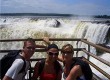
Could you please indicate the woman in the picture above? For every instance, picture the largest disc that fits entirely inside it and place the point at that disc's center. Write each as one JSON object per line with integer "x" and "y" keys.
{"x": 48, "y": 69}
{"x": 74, "y": 68}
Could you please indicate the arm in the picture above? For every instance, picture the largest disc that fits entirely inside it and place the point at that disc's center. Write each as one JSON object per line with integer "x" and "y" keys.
{"x": 7, "y": 78}
{"x": 35, "y": 74}
{"x": 13, "y": 71}
{"x": 46, "y": 40}
{"x": 74, "y": 73}
{"x": 60, "y": 58}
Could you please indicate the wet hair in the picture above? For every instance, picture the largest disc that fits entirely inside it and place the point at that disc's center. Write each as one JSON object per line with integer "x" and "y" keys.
{"x": 69, "y": 46}
{"x": 29, "y": 40}
{"x": 52, "y": 46}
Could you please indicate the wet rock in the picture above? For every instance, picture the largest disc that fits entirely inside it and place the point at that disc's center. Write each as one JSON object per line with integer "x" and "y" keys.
{"x": 4, "y": 20}
{"x": 107, "y": 21}
{"x": 34, "y": 19}
{"x": 53, "y": 23}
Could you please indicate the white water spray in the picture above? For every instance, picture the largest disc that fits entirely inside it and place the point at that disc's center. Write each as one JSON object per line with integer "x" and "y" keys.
{"x": 17, "y": 28}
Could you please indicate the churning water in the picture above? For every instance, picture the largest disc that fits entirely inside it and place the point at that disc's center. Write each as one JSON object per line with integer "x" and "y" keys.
{"x": 24, "y": 27}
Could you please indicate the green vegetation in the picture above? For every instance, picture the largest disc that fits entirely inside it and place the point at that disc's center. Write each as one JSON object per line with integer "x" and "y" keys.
{"x": 103, "y": 16}
{"x": 34, "y": 14}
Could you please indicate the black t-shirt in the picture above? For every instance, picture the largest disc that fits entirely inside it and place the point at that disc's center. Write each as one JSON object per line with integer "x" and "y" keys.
{"x": 84, "y": 66}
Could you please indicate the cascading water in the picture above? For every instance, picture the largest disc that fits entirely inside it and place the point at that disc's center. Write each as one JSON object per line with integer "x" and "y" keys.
{"x": 17, "y": 28}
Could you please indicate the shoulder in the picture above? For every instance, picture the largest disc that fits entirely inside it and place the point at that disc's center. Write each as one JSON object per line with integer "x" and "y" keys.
{"x": 79, "y": 61}
{"x": 40, "y": 62}
{"x": 37, "y": 63}
{"x": 76, "y": 71}
{"x": 76, "y": 68}
{"x": 38, "y": 67}
{"x": 16, "y": 67}
{"x": 18, "y": 62}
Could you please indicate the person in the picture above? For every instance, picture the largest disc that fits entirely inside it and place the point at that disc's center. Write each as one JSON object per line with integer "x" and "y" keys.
{"x": 28, "y": 50}
{"x": 75, "y": 68}
{"x": 51, "y": 69}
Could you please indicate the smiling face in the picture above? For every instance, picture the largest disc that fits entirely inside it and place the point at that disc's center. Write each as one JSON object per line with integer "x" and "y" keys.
{"x": 67, "y": 52}
{"x": 53, "y": 54}
{"x": 29, "y": 49}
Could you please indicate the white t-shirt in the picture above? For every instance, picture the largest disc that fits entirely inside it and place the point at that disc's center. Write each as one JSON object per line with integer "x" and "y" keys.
{"x": 13, "y": 71}
{"x": 64, "y": 77}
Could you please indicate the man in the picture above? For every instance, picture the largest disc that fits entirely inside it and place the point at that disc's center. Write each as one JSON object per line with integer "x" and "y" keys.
{"x": 23, "y": 58}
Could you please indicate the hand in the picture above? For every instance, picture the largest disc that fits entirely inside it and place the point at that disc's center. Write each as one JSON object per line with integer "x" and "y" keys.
{"x": 46, "y": 40}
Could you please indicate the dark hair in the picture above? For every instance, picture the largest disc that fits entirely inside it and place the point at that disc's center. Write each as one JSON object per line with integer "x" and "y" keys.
{"x": 52, "y": 46}
{"x": 29, "y": 40}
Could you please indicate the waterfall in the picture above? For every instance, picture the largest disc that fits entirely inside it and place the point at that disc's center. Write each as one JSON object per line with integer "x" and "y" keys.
{"x": 21, "y": 28}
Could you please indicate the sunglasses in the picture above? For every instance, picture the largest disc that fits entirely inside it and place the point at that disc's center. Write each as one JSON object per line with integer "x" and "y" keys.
{"x": 33, "y": 48}
{"x": 51, "y": 53}
{"x": 67, "y": 52}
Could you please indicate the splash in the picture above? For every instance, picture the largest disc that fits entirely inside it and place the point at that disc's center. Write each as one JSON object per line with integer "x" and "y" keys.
{"x": 17, "y": 28}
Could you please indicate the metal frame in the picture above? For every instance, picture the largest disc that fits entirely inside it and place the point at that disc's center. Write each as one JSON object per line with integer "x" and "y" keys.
{"x": 76, "y": 49}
